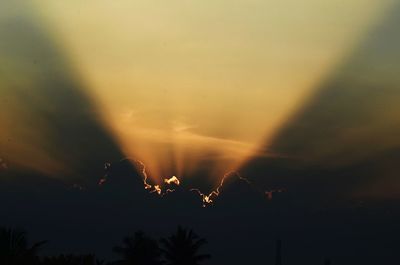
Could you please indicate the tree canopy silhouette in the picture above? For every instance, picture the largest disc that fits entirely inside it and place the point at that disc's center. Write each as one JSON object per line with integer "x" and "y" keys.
{"x": 139, "y": 250}
{"x": 14, "y": 247}
{"x": 182, "y": 248}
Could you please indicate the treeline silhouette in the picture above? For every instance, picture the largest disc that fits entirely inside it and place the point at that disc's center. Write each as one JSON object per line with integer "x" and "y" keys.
{"x": 181, "y": 248}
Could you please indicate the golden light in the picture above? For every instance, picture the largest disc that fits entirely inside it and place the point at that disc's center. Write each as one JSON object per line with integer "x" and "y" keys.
{"x": 184, "y": 83}
{"x": 173, "y": 180}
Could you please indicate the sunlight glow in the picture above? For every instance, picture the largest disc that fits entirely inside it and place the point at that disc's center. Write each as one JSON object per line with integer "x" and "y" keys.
{"x": 184, "y": 83}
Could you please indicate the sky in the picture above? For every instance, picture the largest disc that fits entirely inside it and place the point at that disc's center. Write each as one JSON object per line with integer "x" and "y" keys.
{"x": 299, "y": 97}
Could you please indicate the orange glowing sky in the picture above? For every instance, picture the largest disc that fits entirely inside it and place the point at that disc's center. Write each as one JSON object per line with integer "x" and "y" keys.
{"x": 182, "y": 81}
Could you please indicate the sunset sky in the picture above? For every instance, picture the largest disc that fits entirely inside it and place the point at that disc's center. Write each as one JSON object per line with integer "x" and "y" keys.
{"x": 176, "y": 83}
{"x": 298, "y": 97}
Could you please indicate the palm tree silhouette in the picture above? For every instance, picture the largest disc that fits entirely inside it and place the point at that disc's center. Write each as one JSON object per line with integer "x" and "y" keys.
{"x": 139, "y": 250}
{"x": 14, "y": 247}
{"x": 182, "y": 248}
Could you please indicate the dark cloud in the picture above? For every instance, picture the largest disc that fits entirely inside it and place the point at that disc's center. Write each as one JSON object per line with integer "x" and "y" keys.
{"x": 241, "y": 226}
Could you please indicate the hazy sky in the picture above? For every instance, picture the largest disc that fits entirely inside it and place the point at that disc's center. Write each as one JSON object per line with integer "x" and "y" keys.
{"x": 178, "y": 81}
{"x": 175, "y": 84}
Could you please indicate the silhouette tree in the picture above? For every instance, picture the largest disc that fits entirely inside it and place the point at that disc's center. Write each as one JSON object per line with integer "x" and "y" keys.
{"x": 182, "y": 248}
{"x": 14, "y": 248}
{"x": 139, "y": 250}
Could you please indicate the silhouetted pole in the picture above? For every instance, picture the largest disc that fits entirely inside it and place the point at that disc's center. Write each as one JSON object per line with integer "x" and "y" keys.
{"x": 278, "y": 257}
{"x": 327, "y": 262}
